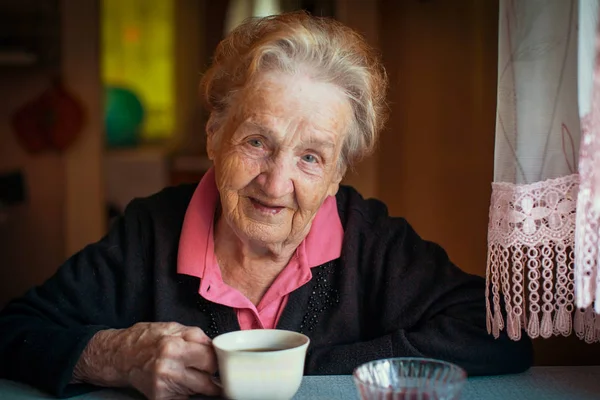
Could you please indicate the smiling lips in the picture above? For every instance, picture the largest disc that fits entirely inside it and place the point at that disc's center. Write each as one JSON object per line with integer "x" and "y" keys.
{"x": 265, "y": 207}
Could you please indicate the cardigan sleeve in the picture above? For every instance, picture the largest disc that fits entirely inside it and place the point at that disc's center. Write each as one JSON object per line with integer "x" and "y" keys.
{"x": 45, "y": 331}
{"x": 421, "y": 305}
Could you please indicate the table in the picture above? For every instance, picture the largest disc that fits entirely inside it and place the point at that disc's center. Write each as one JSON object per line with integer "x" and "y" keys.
{"x": 539, "y": 383}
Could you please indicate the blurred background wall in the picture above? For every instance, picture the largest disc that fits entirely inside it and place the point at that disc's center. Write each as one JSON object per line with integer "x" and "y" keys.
{"x": 63, "y": 208}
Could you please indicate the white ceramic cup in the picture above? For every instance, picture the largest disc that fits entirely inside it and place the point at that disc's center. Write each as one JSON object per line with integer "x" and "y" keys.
{"x": 261, "y": 364}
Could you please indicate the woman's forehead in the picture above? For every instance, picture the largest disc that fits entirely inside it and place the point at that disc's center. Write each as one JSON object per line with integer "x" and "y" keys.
{"x": 284, "y": 99}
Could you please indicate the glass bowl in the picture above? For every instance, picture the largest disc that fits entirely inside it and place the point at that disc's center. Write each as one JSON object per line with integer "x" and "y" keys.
{"x": 409, "y": 379}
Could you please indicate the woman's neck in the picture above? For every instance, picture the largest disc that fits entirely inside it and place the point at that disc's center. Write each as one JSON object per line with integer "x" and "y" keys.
{"x": 249, "y": 267}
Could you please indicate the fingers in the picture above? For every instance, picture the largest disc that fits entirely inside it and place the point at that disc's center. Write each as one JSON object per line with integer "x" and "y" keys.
{"x": 201, "y": 357}
{"x": 188, "y": 333}
{"x": 195, "y": 334}
{"x": 189, "y": 354}
{"x": 199, "y": 354}
{"x": 200, "y": 382}
{"x": 169, "y": 377}
{"x": 171, "y": 360}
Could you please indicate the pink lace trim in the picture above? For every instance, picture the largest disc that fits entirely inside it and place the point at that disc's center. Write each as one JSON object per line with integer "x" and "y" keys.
{"x": 531, "y": 261}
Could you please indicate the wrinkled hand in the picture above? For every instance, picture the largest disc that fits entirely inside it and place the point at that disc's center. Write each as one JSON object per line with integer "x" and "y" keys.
{"x": 161, "y": 360}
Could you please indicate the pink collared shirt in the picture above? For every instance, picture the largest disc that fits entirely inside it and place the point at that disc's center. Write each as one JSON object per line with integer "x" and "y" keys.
{"x": 196, "y": 257}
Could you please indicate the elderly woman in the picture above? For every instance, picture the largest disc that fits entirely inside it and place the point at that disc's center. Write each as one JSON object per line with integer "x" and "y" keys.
{"x": 267, "y": 239}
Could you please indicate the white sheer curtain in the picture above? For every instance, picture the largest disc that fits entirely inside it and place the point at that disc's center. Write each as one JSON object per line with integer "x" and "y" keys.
{"x": 543, "y": 240}
{"x": 587, "y": 233}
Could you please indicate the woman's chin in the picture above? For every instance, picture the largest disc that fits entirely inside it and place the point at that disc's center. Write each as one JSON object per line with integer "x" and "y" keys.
{"x": 265, "y": 234}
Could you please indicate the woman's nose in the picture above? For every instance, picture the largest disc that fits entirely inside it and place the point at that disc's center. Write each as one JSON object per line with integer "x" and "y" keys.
{"x": 276, "y": 180}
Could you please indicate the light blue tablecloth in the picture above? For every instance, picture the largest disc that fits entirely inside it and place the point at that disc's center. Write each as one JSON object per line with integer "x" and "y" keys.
{"x": 540, "y": 383}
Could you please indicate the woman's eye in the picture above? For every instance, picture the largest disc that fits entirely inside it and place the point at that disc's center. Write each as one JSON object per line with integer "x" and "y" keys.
{"x": 255, "y": 143}
{"x": 309, "y": 158}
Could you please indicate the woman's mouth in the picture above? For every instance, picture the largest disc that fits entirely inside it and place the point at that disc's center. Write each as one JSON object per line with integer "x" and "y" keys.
{"x": 265, "y": 207}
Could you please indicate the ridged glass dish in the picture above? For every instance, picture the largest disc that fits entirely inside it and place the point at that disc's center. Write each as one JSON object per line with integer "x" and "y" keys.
{"x": 409, "y": 379}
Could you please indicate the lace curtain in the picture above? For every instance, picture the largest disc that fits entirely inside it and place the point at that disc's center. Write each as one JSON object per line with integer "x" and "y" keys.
{"x": 544, "y": 227}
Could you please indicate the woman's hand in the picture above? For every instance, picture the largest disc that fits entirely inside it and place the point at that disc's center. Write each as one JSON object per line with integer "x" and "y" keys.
{"x": 161, "y": 360}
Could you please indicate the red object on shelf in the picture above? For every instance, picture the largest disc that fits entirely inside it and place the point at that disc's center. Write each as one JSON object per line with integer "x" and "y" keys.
{"x": 52, "y": 121}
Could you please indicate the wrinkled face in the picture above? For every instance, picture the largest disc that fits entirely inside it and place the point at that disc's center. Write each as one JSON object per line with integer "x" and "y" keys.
{"x": 277, "y": 157}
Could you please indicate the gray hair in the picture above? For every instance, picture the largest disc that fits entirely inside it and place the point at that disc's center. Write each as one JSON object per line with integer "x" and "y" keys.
{"x": 288, "y": 42}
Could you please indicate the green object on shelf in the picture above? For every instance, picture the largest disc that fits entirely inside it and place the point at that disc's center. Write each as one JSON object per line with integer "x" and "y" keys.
{"x": 123, "y": 116}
